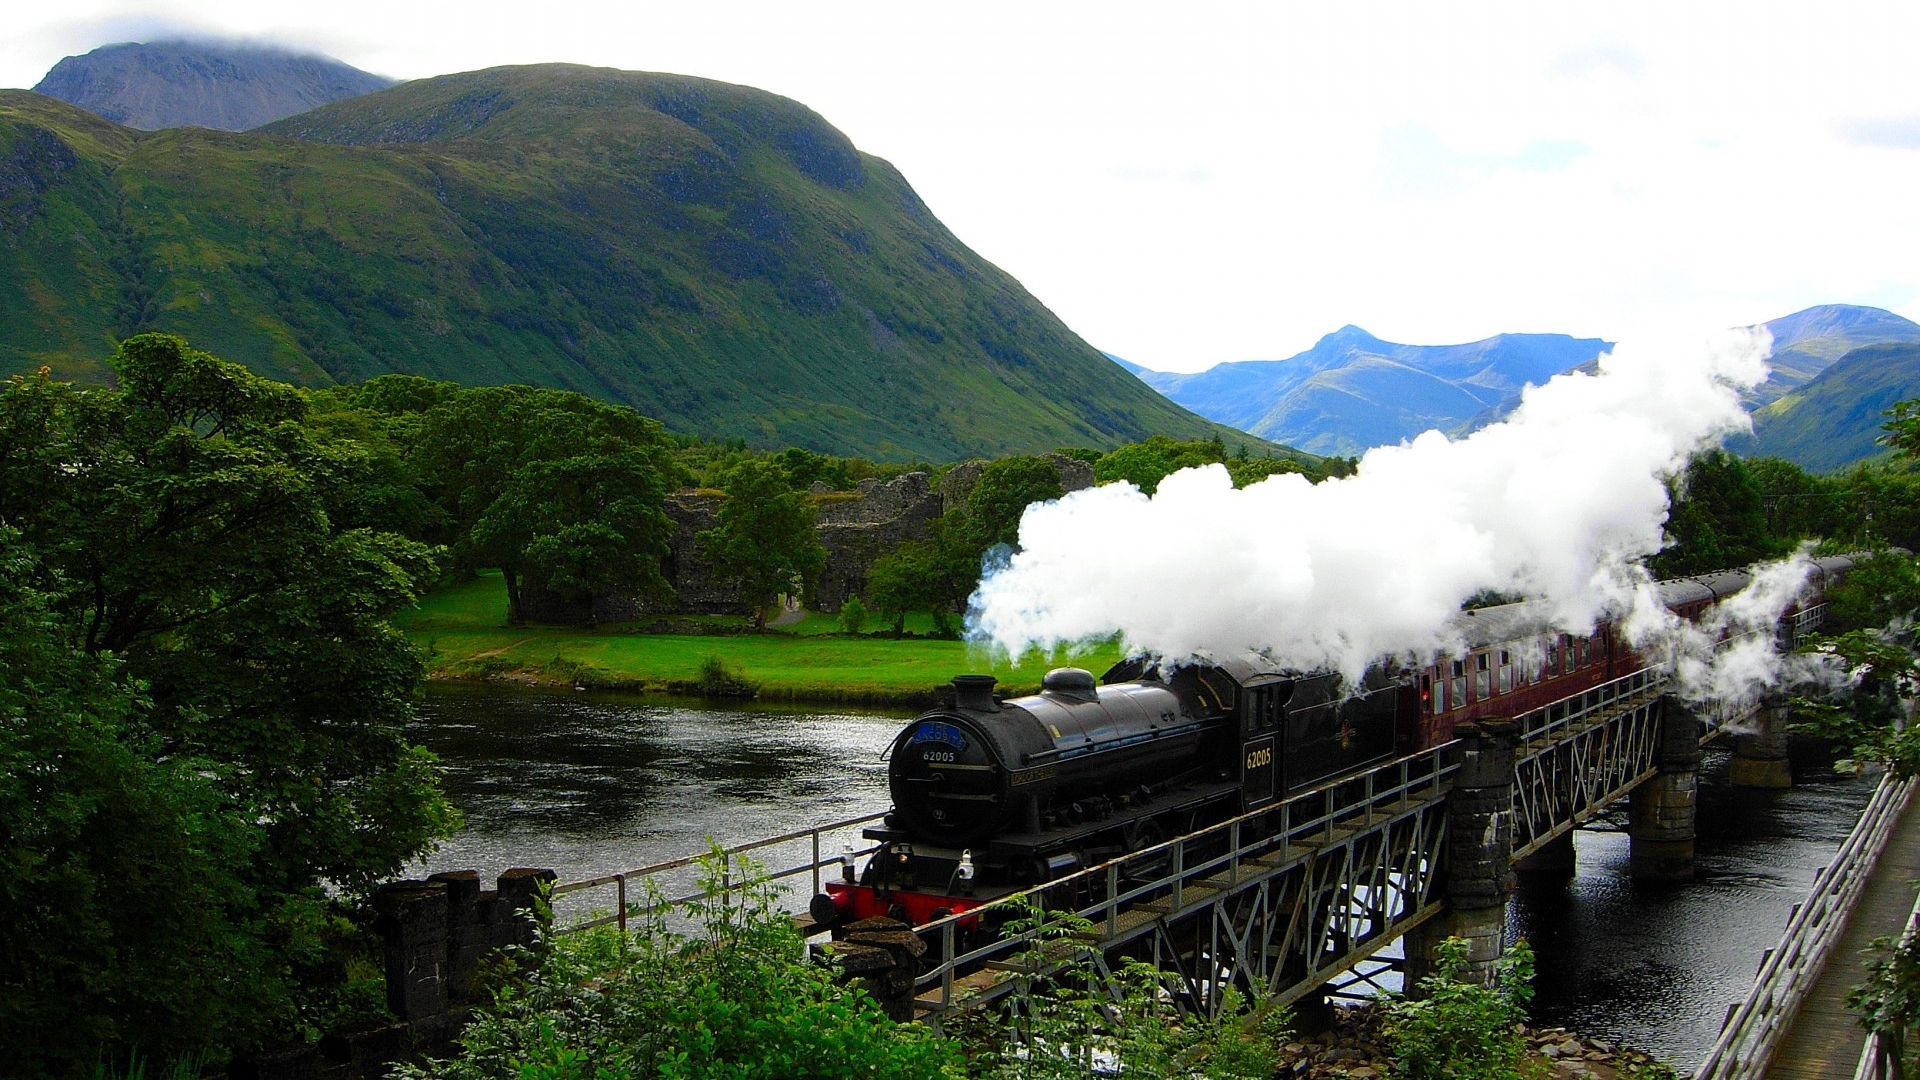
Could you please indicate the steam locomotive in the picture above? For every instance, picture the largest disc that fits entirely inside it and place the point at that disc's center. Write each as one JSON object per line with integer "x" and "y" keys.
{"x": 991, "y": 794}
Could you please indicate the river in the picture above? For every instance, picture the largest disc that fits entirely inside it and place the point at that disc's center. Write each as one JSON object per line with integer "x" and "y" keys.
{"x": 589, "y": 783}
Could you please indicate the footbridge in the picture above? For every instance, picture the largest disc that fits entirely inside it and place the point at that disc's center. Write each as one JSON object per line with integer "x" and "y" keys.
{"x": 1298, "y": 898}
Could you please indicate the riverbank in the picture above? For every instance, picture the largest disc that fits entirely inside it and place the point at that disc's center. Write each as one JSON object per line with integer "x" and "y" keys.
{"x": 462, "y": 629}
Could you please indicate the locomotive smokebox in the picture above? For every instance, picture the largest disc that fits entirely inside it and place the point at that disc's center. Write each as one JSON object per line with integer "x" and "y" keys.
{"x": 974, "y": 692}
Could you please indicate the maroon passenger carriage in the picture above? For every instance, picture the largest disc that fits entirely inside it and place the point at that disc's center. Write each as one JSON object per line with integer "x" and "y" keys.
{"x": 993, "y": 795}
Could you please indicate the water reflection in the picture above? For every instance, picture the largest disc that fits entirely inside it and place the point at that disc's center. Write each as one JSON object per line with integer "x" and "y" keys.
{"x": 590, "y": 783}
{"x": 1656, "y": 966}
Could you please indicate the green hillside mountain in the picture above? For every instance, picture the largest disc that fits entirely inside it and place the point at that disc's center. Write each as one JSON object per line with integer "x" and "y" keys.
{"x": 1806, "y": 343}
{"x": 713, "y": 255}
{"x": 1353, "y": 391}
{"x": 1834, "y": 418}
{"x": 231, "y": 86}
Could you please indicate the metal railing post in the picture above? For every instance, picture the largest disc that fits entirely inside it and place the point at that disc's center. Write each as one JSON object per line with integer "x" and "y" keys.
{"x": 620, "y": 889}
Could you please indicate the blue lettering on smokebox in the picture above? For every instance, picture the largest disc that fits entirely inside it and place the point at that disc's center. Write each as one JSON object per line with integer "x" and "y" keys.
{"x": 941, "y": 733}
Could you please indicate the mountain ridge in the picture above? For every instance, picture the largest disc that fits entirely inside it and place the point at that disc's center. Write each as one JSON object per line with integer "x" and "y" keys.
{"x": 714, "y": 255}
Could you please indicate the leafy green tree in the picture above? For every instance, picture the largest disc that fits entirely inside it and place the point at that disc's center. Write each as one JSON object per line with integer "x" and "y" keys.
{"x": 764, "y": 541}
{"x": 1145, "y": 464}
{"x": 904, "y": 580}
{"x": 1006, "y": 488}
{"x": 128, "y": 923}
{"x": 578, "y": 526}
{"x": 485, "y": 454}
{"x": 183, "y": 521}
{"x": 1717, "y": 519}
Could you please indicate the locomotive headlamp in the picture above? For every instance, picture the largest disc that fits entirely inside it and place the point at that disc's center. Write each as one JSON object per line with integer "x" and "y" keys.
{"x": 846, "y": 862}
{"x": 963, "y": 873}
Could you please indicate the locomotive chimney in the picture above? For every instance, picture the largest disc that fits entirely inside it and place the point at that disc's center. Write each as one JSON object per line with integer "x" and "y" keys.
{"x": 974, "y": 692}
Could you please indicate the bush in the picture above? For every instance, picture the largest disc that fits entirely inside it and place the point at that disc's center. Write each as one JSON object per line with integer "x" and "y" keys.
{"x": 718, "y": 678}
{"x": 1461, "y": 1030}
{"x": 733, "y": 998}
{"x": 1073, "y": 1024}
{"x": 853, "y": 616}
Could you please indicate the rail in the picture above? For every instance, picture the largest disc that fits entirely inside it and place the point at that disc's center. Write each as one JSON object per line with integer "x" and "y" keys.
{"x": 817, "y": 841}
{"x": 1755, "y": 1027}
{"x": 1881, "y": 1057}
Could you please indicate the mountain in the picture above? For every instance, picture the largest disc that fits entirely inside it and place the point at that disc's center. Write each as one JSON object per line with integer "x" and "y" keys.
{"x": 1352, "y": 391}
{"x": 714, "y": 255}
{"x": 1833, "y": 419}
{"x": 226, "y": 86}
{"x": 1807, "y": 342}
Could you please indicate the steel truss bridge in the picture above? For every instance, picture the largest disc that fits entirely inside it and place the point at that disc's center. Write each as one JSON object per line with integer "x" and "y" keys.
{"x": 1280, "y": 902}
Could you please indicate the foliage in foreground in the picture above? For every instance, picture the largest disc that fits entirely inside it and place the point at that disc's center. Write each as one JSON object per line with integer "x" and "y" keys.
{"x": 1455, "y": 1029}
{"x": 735, "y": 997}
{"x": 202, "y": 758}
{"x": 1077, "y": 1025}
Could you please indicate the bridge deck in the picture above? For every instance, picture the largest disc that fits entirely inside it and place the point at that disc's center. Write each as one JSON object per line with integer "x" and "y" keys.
{"x": 1825, "y": 1040}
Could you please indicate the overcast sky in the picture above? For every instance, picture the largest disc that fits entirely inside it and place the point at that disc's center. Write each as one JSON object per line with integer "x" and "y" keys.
{"x": 1187, "y": 183}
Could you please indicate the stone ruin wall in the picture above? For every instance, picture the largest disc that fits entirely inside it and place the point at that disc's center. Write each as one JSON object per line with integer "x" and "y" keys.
{"x": 857, "y": 528}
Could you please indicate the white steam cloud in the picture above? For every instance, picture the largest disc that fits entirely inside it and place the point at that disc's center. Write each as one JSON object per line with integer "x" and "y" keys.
{"x": 1561, "y": 504}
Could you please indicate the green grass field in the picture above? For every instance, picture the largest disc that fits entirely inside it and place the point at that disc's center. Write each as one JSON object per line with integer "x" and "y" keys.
{"x": 463, "y": 628}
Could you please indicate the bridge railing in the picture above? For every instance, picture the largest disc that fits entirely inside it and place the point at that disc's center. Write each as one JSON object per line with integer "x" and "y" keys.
{"x": 1181, "y": 871}
{"x": 1882, "y": 1057}
{"x": 1757, "y": 1025}
{"x": 665, "y": 885}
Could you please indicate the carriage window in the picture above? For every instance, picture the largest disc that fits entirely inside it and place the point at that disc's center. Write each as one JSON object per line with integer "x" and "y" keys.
{"x": 1482, "y": 677}
{"x": 1506, "y": 671}
{"x": 1458, "y": 696}
{"x": 1435, "y": 694}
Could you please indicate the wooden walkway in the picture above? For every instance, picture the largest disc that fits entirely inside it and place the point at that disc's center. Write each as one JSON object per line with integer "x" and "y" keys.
{"x": 1825, "y": 1040}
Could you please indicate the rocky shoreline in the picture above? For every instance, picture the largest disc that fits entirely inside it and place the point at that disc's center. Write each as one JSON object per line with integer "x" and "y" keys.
{"x": 1355, "y": 1048}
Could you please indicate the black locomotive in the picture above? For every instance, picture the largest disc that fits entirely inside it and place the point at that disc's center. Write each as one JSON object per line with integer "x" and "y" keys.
{"x": 990, "y": 794}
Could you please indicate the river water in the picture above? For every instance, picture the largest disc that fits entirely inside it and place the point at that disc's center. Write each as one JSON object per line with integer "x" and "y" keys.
{"x": 588, "y": 783}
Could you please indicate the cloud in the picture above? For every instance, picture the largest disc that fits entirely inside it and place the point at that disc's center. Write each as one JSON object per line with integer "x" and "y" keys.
{"x": 1589, "y": 57}
{"x": 1887, "y": 133}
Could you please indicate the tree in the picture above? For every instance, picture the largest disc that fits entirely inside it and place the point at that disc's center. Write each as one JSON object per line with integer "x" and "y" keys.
{"x": 121, "y": 888}
{"x": 579, "y": 526}
{"x": 764, "y": 541}
{"x": 904, "y": 580}
{"x": 183, "y": 521}
{"x": 492, "y": 457}
{"x": 1001, "y": 496}
{"x": 1717, "y": 519}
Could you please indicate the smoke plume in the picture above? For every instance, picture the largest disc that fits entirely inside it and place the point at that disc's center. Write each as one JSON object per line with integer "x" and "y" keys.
{"x": 1562, "y": 503}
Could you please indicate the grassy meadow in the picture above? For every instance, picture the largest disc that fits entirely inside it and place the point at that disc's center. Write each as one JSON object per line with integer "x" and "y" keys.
{"x": 464, "y": 631}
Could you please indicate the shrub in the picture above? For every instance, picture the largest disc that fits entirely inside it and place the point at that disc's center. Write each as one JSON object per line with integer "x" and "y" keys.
{"x": 735, "y": 997}
{"x": 853, "y": 616}
{"x": 718, "y": 678}
{"x": 1461, "y": 1030}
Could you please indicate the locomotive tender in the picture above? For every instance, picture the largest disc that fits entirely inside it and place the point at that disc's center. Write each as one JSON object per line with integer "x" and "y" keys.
{"x": 992, "y": 795}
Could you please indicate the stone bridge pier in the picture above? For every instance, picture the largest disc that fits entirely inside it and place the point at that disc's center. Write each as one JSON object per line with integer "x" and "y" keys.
{"x": 1661, "y": 810}
{"x": 1760, "y": 755}
{"x": 1480, "y": 875}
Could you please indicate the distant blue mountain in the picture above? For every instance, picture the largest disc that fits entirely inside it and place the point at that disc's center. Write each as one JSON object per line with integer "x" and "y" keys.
{"x": 1352, "y": 391}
